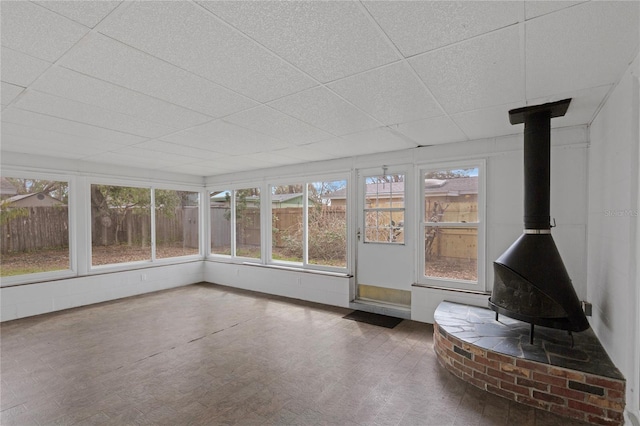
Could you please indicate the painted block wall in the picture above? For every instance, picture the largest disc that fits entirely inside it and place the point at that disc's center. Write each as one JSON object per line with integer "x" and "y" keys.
{"x": 41, "y": 298}
{"x": 320, "y": 288}
{"x": 613, "y": 231}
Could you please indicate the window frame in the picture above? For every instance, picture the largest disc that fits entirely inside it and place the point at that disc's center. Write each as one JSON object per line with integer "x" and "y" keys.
{"x": 479, "y": 286}
{"x": 305, "y": 181}
{"x": 72, "y": 271}
{"x": 153, "y": 261}
{"x": 233, "y": 225}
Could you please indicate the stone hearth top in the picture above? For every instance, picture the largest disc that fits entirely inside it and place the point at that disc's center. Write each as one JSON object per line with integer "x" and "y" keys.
{"x": 478, "y": 326}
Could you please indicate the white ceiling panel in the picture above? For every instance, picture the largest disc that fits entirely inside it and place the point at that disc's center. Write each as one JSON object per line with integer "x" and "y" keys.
{"x": 87, "y": 13}
{"x": 75, "y": 111}
{"x": 534, "y": 8}
{"x": 78, "y": 87}
{"x": 178, "y": 149}
{"x": 391, "y": 94}
{"x": 109, "y": 60}
{"x": 580, "y": 47}
{"x": 488, "y": 122}
{"x": 9, "y": 93}
{"x": 310, "y": 152}
{"x": 376, "y": 140}
{"x": 59, "y": 125}
{"x": 180, "y": 33}
{"x": 24, "y": 145}
{"x": 323, "y": 109}
{"x": 38, "y": 32}
{"x": 205, "y": 88}
{"x": 21, "y": 69}
{"x": 432, "y": 131}
{"x": 328, "y": 40}
{"x": 421, "y": 26}
{"x": 278, "y": 125}
{"x": 480, "y": 72}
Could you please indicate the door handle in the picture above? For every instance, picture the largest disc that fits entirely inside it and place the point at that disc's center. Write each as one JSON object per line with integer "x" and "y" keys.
{"x": 358, "y": 234}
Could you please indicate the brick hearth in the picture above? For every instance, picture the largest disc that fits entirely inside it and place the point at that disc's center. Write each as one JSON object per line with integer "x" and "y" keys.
{"x": 568, "y": 375}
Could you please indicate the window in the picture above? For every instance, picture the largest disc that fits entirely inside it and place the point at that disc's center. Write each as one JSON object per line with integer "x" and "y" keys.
{"x": 34, "y": 219}
{"x": 309, "y": 223}
{"x": 451, "y": 225}
{"x": 384, "y": 209}
{"x": 120, "y": 224}
{"x": 235, "y": 223}
{"x": 176, "y": 223}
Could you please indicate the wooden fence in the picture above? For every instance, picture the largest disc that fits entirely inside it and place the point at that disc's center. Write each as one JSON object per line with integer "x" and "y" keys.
{"x": 38, "y": 228}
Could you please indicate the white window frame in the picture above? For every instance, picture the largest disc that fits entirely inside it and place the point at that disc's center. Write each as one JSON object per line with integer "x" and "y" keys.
{"x": 72, "y": 271}
{"x": 152, "y": 262}
{"x": 305, "y": 181}
{"x": 480, "y": 285}
{"x": 233, "y": 257}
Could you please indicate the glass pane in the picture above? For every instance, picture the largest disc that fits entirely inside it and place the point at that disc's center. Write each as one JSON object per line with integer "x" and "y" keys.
{"x": 327, "y": 230}
{"x": 397, "y": 227}
{"x": 35, "y": 226}
{"x": 384, "y": 191}
{"x": 451, "y": 195}
{"x": 451, "y": 253}
{"x": 248, "y": 222}
{"x": 120, "y": 224}
{"x": 286, "y": 220}
{"x": 220, "y": 205}
{"x": 176, "y": 223}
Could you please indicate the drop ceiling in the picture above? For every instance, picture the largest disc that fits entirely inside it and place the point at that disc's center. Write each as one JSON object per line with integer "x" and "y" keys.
{"x": 212, "y": 87}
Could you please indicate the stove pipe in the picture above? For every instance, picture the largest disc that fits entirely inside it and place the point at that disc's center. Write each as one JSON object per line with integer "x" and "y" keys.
{"x": 531, "y": 283}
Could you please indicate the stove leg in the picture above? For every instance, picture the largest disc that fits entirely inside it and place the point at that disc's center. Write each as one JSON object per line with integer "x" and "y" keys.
{"x": 531, "y": 335}
{"x": 496, "y": 316}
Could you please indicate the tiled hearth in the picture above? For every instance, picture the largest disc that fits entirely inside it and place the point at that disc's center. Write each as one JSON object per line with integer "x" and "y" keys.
{"x": 568, "y": 375}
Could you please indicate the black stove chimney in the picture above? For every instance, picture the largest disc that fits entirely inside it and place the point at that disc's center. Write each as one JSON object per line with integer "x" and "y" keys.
{"x": 531, "y": 283}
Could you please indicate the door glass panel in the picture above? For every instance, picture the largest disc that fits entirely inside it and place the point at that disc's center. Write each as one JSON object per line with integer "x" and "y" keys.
{"x": 384, "y": 209}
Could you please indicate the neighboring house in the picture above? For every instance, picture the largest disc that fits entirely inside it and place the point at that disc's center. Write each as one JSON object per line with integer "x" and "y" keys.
{"x": 287, "y": 200}
{"x": 37, "y": 199}
{"x": 6, "y": 188}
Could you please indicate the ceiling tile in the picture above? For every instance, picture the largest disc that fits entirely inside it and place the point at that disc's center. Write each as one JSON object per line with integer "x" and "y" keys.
{"x": 328, "y": 40}
{"x": 278, "y": 125}
{"x": 432, "y": 131}
{"x": 20, "y": 69}
{"x": 9, "y": 93}
{"x": 275, "y": 158}
{"x": 477, "y": 73}
{"x": 200, "y": 168}
{"x": 88, "y": 114}
{"x": 392, "y": 94}
{"x": 310, "y": 152}
{"x": 38, "y": 32}
{"x": 191, "y": 38}
{"x": 55, "y": 124}
{"x": 583, "y": 46}
{"x": 78, "y": 87}
{"x": 323, "y": 109}
{"x": 87, "y": 13}
{"x": 178, "y": 149}
{"x": 535, "y": 8}
{"x": 24, "y": 145}
{"x": 366, "y": 142}
{"x": 488, "y": 122}
{"x": 122, "y": 159}
{"x": 109, "y": 60}
{"x": 421, "y": 26}
{"x": 582, "y": 109}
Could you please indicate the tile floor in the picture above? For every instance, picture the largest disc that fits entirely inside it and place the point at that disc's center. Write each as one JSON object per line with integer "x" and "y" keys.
{"x": 208, "y": 355}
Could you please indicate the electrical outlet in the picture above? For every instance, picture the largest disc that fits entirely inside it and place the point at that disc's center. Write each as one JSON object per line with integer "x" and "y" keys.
{"x": 143, "y": 277}
{"x": 587, "y": 308}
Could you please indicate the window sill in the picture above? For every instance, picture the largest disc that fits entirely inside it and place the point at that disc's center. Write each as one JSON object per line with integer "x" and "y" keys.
{"x": 452, "y": 289}
{"x": 285, "y": 268}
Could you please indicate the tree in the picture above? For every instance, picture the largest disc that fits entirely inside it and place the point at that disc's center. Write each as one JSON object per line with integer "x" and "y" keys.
{"x": 55, "y": 189}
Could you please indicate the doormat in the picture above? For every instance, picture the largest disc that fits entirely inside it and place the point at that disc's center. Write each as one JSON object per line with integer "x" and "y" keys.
{"x": 373, "y": 319}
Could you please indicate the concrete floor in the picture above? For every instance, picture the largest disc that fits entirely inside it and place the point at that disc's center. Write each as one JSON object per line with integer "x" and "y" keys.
{"x": 207, "y": 355}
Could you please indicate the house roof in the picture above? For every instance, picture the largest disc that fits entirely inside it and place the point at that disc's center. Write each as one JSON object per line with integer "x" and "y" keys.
{"x": 6, "y": 187}
{"x": 281, "y": 198}
{"x": 452, "y": 187}
{"x": 38, "y": 195}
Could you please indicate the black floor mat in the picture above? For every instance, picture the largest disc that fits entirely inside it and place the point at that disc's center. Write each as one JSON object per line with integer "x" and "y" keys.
{"x": 374, "y": 319}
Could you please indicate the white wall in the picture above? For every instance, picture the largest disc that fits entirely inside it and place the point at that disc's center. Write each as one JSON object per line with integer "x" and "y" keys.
{"x": 41, "y": 298}
{"x": 612, "y": 274}
{"x": 504, "y": 200}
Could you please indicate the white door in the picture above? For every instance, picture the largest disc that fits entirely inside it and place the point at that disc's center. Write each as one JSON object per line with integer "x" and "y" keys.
{"x": 384, "y": 265}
